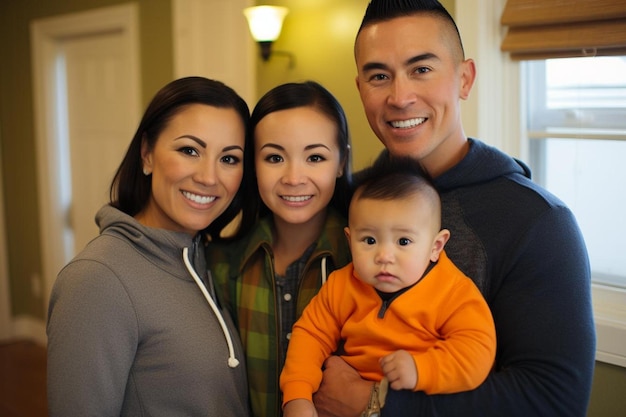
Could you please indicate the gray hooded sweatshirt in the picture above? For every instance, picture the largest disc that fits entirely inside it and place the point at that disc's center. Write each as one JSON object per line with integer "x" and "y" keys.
{"x": 131, "y": 332}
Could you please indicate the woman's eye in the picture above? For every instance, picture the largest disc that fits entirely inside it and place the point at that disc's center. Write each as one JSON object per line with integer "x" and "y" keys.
{"x": 403, "y": 241}
{"x": 231, "y": 159}
{"x": 316, "y": 158}
{"x": 188, "y": 150}
{"x": 273, "y": 159}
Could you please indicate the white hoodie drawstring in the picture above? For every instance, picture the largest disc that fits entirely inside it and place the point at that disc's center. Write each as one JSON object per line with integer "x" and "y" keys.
{"x": 324, "y": 270}
{"x": 232, "y": 360}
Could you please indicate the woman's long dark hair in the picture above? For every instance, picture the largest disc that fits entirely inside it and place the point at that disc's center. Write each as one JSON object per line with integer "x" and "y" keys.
{"x": 290, "y": 96}
{"x": 130, "y": 189}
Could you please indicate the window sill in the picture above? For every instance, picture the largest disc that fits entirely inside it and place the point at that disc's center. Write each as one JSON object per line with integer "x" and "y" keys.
{"x": 609, "y": 307}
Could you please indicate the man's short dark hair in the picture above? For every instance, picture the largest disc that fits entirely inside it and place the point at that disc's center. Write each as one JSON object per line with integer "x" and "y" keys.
{"x": 383, "y": 10}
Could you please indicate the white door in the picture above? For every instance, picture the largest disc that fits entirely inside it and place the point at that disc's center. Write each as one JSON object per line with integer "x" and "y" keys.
{"x": 87, "y": 108}
{"x": 100, "y": 122}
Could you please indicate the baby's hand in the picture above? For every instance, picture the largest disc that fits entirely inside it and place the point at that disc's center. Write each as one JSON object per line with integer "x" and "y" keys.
{"x": 400, "y": 369}
{"x": 299, "y": 408}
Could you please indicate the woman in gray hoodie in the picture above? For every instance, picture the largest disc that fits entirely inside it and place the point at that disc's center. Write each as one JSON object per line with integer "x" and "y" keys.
{"x": 133, "y": 326}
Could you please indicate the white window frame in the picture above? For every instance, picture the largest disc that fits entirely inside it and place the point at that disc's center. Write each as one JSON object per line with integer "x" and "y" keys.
{"x": 497, "y": 91}
{"x": 609, "y": 301}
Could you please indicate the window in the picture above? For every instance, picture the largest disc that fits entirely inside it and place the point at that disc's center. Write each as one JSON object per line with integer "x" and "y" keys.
{"x": 576, "y": 125}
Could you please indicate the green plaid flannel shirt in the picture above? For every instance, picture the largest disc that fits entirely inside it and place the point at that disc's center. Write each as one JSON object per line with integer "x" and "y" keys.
{"x": 244, "y": 277}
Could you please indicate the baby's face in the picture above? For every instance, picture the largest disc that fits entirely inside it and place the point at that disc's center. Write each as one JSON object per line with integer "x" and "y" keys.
{"x": 392, "y": 241}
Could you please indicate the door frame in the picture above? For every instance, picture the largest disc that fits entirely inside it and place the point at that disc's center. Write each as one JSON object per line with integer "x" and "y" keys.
{"x": 46, "y": 37}
{"x": 6, "y": 324}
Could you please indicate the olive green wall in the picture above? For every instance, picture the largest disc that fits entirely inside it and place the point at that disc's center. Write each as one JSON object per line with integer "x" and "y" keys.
{"x": 17, "y": 136}
{"x": 608, "y": 395}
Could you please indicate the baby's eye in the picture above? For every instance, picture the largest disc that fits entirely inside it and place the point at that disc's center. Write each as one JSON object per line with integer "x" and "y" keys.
{"x": 369, "y": 240}
{"x": 403, "y": 241}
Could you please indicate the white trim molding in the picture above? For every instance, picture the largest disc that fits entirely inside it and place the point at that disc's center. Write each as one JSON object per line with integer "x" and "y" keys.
{"x": 6, "y": 325}
{"x": 497, "y": 84}
{"x": 212, "y": 39}
{"x": 609, "y": 305}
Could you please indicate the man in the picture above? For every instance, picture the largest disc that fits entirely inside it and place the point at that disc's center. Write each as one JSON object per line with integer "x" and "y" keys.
{"x": 519, "y": 243}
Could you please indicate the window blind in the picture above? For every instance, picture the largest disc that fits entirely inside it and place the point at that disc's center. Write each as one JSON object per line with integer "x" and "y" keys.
{"x": 542, "y": 29}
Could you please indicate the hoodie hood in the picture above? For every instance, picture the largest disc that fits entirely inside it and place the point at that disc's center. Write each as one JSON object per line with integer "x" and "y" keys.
{"x": 163, "y": 248}
{"x": 483, "y": 163}
{"x": 159, "y": 246}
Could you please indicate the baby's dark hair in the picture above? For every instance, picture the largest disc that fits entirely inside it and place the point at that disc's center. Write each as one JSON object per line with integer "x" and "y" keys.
{"x": 391, "y": 178}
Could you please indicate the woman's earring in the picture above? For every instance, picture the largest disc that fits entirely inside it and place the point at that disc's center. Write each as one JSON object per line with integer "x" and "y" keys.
{"x": 146, "y": 172}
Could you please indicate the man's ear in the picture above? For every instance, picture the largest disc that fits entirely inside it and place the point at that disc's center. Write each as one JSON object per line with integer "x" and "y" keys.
{"x": 438, "y": 244}
{"x": 468, "y": 76}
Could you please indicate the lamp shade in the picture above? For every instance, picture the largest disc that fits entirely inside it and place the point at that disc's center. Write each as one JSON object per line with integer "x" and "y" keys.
{"x": 265, "y": 22}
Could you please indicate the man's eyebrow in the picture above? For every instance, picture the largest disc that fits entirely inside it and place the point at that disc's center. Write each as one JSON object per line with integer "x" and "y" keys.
{"x": 422, "y": 57}
{"x": 372, "y": 66}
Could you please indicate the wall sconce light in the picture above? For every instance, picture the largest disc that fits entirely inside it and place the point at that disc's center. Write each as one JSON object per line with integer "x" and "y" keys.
{"x": 265, "y": 24}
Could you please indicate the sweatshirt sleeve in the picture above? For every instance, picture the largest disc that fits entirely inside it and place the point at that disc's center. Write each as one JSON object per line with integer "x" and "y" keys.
{"x": 545, "y": 331}
{"x": 314, "y": 338}
{"x": 462, "y": 358}
{"x": 92, "y": 339}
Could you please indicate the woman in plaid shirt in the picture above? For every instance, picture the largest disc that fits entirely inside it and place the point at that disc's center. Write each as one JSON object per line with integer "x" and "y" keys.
{"x": 292, "y": 227}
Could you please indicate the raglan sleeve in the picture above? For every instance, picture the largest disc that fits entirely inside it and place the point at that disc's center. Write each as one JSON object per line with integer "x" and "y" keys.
{"x": 92, "y": 338}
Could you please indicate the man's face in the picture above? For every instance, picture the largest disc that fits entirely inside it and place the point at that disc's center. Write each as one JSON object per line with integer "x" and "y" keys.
{"x": 411, "y": 77}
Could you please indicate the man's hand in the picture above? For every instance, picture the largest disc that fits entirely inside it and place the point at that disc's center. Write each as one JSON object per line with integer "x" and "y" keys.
{"x": 400, "y": 369}
{"x": 342, "y": 393}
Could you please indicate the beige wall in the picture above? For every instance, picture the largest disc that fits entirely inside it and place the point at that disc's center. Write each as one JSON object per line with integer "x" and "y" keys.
{"x": 320, "y": 33}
